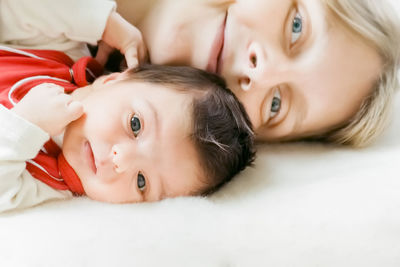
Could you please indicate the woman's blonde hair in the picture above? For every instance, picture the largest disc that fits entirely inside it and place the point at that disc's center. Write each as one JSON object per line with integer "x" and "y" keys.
{"x": 377, "y": 23}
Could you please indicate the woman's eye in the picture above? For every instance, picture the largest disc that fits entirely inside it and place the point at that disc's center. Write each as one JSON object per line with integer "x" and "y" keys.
{"x": 275, "y": 105}
{"x": 141, "y": 182}
{"x": 297, "y": 28}
{"x": 136, "y": 125}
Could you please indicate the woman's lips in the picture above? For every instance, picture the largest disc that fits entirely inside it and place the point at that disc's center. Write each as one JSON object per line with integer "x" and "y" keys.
{"x": 90, "y": 156}
{"x": 216, "y": 49}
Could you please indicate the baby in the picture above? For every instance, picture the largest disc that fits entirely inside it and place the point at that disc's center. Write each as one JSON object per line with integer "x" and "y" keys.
{"x": 148, "y": 133}
{"x": 142, "y": 135}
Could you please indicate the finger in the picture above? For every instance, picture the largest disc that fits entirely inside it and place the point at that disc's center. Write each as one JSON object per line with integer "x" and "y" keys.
{"x": 51, "y": 85}
{"x": 75, "y": 110}
{"x": 103, "y": 52}
{"x": 143, "y": 54}
{"x": 62, "y": 99}
{"x": 54, "y": 88}
{"x": 57, "y": 89}
{"x": 132, "y": 62}
{"x": 101, "y": 58}
{"x": 131, "y": 57}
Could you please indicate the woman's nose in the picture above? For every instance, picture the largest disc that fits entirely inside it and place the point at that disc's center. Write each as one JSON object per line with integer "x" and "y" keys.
{"x": 252, "y": 67}
{"x": 260, "y": 69}
{"x": 122, "y": 157}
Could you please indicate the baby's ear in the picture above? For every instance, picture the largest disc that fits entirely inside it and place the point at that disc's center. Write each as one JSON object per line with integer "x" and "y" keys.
{"x": 115, "y": 76}
{"x": 105, "y": 80}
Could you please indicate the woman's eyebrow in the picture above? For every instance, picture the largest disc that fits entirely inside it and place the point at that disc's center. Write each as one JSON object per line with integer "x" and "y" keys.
{"x": 283, "y": 39}
{"x": 299, "y": 109}
{"x": 316, "y": 27}
{"x": 308, "y": 28}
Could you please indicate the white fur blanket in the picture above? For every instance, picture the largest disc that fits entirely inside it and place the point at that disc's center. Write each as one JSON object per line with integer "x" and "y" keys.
{"x": 302, "y": 205}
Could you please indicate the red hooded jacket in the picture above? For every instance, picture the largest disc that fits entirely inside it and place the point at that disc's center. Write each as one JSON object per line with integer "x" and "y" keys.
{"x": 20, "y": 70}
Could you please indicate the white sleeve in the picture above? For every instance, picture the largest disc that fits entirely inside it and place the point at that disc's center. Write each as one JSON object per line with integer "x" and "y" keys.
{"x": 64, "y": 25}
{"x": 21, "y": 140}
{"x": 78, "y": 20}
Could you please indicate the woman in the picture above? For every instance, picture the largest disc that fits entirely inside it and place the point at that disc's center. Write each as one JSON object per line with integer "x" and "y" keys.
{"x": 323, "y": 69}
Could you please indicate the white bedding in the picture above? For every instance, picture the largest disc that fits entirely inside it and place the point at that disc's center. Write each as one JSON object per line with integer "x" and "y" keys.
{"x": 302, "y": 205}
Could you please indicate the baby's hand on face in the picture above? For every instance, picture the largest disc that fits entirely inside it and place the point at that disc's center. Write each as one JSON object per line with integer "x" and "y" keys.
{"x": 125, "y": 37}
{"x": 47, "y": 106}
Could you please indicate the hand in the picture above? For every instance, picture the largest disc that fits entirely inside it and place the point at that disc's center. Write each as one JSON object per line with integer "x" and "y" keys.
{"x": 125, "y": 37}
{"x": 47, "y": 106}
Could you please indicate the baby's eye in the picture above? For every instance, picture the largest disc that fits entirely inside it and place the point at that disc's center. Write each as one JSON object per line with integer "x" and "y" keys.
{"x": 253, "y": 60}
{"x": 141, "y": 182}
{"x": 136, "y": 125}
{"x": 297, "y": 28}
{"x": 275, "y": 105}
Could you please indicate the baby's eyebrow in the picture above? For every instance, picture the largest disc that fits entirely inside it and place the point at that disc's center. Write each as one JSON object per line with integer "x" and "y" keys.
{"x": 161, "y": 187}
{"x": 157, "y": 125}
{"x": 154, "y": 188}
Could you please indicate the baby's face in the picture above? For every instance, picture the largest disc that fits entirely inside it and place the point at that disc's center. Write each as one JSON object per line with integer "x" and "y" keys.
{"x": 132, "y": 144}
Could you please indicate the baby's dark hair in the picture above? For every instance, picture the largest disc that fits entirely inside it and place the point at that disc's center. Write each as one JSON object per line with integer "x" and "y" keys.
{"x": 221, "y": 133}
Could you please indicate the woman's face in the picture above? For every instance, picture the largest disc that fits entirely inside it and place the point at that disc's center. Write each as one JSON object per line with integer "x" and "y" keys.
{"x": 297, "y": 70}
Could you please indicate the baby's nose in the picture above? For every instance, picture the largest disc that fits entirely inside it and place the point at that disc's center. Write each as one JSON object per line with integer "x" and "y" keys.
{"x": 121, "y": 159}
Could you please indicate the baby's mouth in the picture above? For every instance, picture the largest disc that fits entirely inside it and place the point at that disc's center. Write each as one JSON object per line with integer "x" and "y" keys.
{"x": 90, "y": 156}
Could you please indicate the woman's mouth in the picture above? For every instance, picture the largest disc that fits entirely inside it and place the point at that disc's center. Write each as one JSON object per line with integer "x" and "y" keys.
{"x": 214, "y": 62}
{"x": 90, "y": 156}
